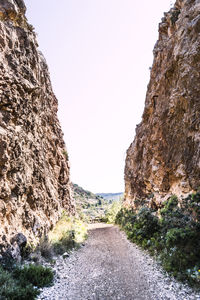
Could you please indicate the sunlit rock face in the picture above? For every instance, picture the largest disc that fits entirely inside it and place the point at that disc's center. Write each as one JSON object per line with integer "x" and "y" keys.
{"x": 164, "y": 158}
{"x": 34, "y": 168}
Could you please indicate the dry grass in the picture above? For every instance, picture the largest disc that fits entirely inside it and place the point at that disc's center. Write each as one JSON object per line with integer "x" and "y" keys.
{"x": 68, "y": 233}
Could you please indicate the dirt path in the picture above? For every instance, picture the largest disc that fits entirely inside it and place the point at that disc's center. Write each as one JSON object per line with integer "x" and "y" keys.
{"x": 109, "y": 267}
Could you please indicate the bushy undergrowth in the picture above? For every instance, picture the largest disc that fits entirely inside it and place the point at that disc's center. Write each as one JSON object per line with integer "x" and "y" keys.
{"x": 22, "y": 283}
{"x": 173, "y": 235}
{"x": 68, "y": 233}
{"x": 112, "y": 212}
{"x": 37, "y": 275}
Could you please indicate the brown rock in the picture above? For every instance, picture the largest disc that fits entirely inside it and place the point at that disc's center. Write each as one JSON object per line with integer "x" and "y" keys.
{"x": 34, "y": 171}
{"x": 164, "y": 158}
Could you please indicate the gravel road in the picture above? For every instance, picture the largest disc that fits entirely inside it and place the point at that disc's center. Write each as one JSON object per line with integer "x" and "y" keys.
{"x": 109, "y": 267}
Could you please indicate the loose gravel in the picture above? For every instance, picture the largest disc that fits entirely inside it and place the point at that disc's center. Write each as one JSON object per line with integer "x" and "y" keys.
{"x": 109, "y": 267}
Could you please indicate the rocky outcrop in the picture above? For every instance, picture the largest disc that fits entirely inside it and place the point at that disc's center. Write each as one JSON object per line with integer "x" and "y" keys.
{"x": 164, "y": 158}
{"x": 34, "y": 168}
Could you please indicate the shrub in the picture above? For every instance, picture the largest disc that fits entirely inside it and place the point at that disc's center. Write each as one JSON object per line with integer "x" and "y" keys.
{"x": 146, "y": 224}
{"x": 23, "y": 283}
{"x": 125, "y": 217}
{"x": 36, "y": 275}
{"x": 68, "y": 233}
{"x": 139, "y": 227}
{"x": 112, "y": 212}
{"x": 175, "y": 236}
{"x": 192, "y": 204}
{"x": 66, "y": 242}
{"x": 44, "y": 248}
{"x": 65, "y": 153}
{"x": 173, "y": 216}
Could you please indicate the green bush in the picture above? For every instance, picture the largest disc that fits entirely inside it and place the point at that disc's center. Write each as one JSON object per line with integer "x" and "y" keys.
{"x": 65, "y": 153}
{"x": 146, "y": 224}
{"x": 68, "y": 233}
{"x": 125, "y": 217}
{"x": 139, "y": 227}
{"x": 174, "y": 236}
{"x": 44, "y": 248}
{"x": 112, "y": 211}
{"x": 66, "y": 242}
{"x": 192, "y": 204}
{"x": 22, "y": 283}
{"x": 36, "y": 275}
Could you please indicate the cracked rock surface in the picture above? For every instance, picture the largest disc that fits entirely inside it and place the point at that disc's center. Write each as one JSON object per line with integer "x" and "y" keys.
{"x": 164, "y": 158}
{"x": 34, "y": 169}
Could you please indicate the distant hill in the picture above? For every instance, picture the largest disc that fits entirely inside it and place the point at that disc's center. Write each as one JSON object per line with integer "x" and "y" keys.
{"x": 111, "y": 196}
{"x": 89, "y": 206}
{"x": 80, "y": 192}
{"x": 93, "y": 207}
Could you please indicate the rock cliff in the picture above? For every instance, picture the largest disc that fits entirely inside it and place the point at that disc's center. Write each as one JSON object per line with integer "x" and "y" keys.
{"x": 34, "y": 168}
{"x": 164, "y": 158}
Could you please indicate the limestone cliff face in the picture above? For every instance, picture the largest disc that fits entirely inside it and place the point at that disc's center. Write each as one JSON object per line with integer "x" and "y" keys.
{"x": 164, "y": 158}
{"x": 34, "y": 169}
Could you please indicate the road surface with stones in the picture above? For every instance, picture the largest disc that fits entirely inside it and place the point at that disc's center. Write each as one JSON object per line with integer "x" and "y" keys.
{"x": 109, "y": 267}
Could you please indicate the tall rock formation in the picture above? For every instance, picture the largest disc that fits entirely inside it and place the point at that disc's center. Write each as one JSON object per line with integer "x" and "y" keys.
{"x": 34, "y": 169}
{"x": 164, "y": 158}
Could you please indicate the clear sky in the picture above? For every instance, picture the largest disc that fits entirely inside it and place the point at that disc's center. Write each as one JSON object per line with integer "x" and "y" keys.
{"x": 99, "y": 53}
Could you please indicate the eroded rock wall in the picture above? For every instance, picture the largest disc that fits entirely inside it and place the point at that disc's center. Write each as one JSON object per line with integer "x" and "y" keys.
{"x": 164, "y": 158}
{"x": 34, "y": 168}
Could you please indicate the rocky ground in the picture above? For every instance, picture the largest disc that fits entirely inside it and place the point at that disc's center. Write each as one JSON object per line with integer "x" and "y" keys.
{"x": 109, "y": 267}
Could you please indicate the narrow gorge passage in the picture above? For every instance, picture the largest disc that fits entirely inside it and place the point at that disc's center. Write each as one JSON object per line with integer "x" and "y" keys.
{"x": 109, "y": 267}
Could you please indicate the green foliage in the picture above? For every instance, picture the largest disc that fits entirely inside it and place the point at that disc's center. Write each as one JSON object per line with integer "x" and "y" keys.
{"x": 66, "y": 154}
{"x": 170, "y": 204}
{"x": 66, "y": 242}
{"x": 80, "y": 192}
{"x": 192, "y": 204}
{"x": 174, "y": 236}
{"x": 44, "y": 248}
{"x": 94, "y": 207}
{"x": 174, "y": 16}
{"x": 36, "y": 275}
{"x": 125, "y": 217}
{"x": 112, "y": 211}
{"x": 139, "y": 227}
{"x": 146, "y": 224}
{"x": 68, "y": 233}
{"x": 22, "y": 283}
{"x": 173, "y": 216}
{"x": 90, "y": 207}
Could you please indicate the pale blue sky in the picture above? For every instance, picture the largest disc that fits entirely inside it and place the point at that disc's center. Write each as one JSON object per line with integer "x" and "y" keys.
{"x": 99, "y": 53}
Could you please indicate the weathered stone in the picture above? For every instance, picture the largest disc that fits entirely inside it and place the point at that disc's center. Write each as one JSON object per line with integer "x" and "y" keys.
{"x": 34, "y": 171}
{"x": 13, "y": 253}
{"x": 164, "y": 158}
{"x": 20, "y": 239}
{"x": 65, "y": 255}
